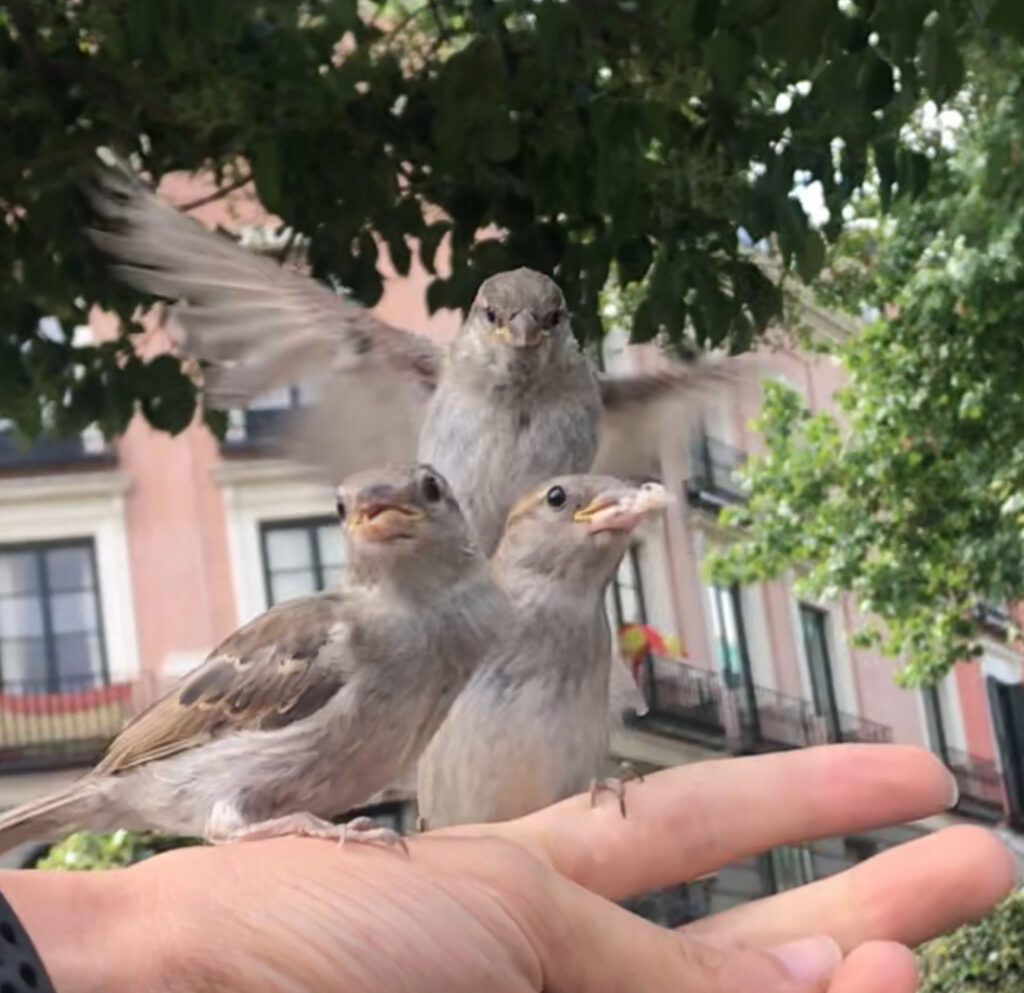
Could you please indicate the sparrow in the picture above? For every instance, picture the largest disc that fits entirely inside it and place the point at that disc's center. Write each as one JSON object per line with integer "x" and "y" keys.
{"x": 312, "y": 707}
{"x": 532, "y": 725}
{"x": 512, "y": 401}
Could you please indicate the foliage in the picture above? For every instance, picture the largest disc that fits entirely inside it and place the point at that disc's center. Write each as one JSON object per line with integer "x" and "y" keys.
{"x": 913, "y": 498}
{"x": 637, "y": 134}
{"x": 987, "y": 957}
{"x": 87, "y": 851}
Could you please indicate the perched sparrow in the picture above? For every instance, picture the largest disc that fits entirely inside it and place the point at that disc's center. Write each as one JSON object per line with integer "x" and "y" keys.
{"x": 532, "y": 725}
{"x": 512, "y": 402}
{"x": 311, "y": 708}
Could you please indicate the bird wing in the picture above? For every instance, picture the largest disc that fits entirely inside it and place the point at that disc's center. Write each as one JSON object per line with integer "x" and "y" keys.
{"x": 268, "y": 674}
{"x": 644, "y": 413}
{"x": 255, "y": 325}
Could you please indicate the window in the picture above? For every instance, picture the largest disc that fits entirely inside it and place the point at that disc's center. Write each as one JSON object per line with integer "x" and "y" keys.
{"x": 51, "y": 636}
{"x": 300, "y": 557}
{"x": 787, "y": 867}
{"x": 628, "y": 590}
{"x": 935, "y": 722}
{"x": 814, "y": 626}
{"x": 728, "y": 633}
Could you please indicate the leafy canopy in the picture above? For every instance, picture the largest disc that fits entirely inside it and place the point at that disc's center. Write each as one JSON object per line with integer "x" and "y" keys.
{"x": 639, "y": 134}
{"x": 913, "y": 500}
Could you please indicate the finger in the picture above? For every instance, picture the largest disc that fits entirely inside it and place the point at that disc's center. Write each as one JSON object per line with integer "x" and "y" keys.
{"x": 689, "y": 820}
{"x": 907, "y": 894}
{"x": 878, "y": 965}
{"x": 604, "y": 949}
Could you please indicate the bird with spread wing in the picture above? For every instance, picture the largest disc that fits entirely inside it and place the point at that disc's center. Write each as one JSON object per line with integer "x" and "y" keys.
{"x": 511, "y": 402}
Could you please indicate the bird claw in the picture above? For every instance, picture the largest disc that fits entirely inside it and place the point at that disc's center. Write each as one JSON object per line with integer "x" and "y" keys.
{"x": 611, "y": 785}
{"x": 630, "y": 773}
{"x": 362, "y": 830}
{"x": 366, "y": 831}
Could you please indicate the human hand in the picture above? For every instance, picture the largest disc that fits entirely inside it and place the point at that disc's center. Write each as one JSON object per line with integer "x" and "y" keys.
{"x": 526, "y": 906}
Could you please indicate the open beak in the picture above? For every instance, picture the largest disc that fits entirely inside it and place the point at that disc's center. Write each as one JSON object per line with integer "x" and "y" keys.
{"x": 623, "y": 508}
{"x": 380, "y": 521}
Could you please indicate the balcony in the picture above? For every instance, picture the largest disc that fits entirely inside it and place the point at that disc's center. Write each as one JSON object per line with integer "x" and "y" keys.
{"x": 712, "y": 481}
{"x": 697, "y": 705}
{"x": 684, "y": 700}
{"x": 88, "y": 449}
{"x": 255, "y": 430}
{"x": 46, "y": 728}
{"x": 980, "y": 784}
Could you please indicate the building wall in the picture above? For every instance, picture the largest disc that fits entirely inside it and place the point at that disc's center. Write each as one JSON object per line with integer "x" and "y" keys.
{"x": 177, "y": 527}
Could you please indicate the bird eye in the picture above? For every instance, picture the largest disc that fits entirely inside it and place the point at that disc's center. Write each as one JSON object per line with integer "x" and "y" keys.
{"x": 341, "y": 509}
{"x": 555, "y": 497}
{"x": 431, "y": 489}
{"x": 553, "y": 318}
{"x": 491, "y": 314}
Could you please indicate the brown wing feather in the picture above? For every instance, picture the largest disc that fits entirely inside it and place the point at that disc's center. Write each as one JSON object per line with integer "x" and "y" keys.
{"x": 266, "y": 675}
{"x": 256, "y": 324}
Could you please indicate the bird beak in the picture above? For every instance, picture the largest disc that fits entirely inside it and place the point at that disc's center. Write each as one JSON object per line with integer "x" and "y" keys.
{"x": 523, "y": 331}
{"x": 380, "y": 521}
{"x": 623, "y": 508}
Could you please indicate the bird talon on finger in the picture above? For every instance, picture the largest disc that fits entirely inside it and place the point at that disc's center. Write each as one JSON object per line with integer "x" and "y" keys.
{"x": 611, "y": 785}
{"x": 364, "y": 831}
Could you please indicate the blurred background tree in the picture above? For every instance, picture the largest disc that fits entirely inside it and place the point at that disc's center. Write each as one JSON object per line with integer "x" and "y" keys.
{"x": 912, "y": 498}
{"x": 83, "y": 850}
{"x": 987, "y": 957}
{"x": 641, "y": 135}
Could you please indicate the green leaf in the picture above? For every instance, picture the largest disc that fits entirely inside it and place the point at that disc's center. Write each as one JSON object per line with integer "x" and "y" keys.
{"x": 875, "y": 80}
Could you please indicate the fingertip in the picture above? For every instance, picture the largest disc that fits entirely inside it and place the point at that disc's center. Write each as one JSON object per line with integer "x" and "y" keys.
{"x": 877, "y": 965}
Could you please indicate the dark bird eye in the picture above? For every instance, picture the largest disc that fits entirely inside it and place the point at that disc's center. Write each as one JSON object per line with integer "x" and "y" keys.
{"x": 491, "y": 315}
{"x": 431, "y": 489}
{"x": 341, "y": 509}
{"x": 556, "y": 497}
{"x": 553, "y": 318}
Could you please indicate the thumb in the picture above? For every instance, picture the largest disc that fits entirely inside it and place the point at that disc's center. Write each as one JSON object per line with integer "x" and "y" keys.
{"x": 610, "y": 950}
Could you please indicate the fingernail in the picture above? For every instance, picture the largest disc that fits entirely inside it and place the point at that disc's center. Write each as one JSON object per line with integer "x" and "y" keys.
{"x": 954, "y": 790}
{"x": 809, "y": 960}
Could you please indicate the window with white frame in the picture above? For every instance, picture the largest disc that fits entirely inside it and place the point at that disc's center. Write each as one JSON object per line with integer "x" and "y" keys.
{"x": 51, "y": 633}
{"x": 300, "y": 556}
{"x": 628, "y": 603}
{"x": 728, "y": 633}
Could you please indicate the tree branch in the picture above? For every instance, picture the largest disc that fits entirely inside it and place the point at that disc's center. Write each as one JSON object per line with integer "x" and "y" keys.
{"x": 217, "y": 194}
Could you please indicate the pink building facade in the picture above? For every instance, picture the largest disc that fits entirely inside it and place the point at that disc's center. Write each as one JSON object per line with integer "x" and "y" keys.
{"x": 121, "y": 566}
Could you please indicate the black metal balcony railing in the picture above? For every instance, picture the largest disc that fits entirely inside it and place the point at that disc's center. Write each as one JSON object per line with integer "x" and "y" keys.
{"x": 995, "y": 617}
{"x": 712, "y": 480}
{"x": 47, "y": 727}
{"x": 46, "y": 452}
{"x": 980, "y": 784}
{"x": 258, "y": 429}
{"x": 700, "y": 705}
{"x": 683, "y": 693}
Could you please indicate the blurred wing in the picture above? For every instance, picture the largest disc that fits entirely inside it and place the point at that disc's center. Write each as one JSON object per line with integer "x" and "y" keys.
{"x": 256, "y": 325}
{"x": 266, "y": 675}
{"x": 646, "y": 413}
{"x": 624, "y": 696}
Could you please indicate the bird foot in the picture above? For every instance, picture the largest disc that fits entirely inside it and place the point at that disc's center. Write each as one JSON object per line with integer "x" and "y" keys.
{"x": 611, "y": 785}
{"x": 362, "y": 830}
{"x": 630, "y": 773}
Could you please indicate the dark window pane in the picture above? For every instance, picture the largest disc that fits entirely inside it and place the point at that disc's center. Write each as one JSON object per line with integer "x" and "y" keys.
{"x": 24, "y": 664}
{"x": 77, "y": 656}
{"x": 18, "y": 572}
{"x": 20, "y": 616}
{"x": 73, "y": 612}
{"x": 69, "y": 568}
